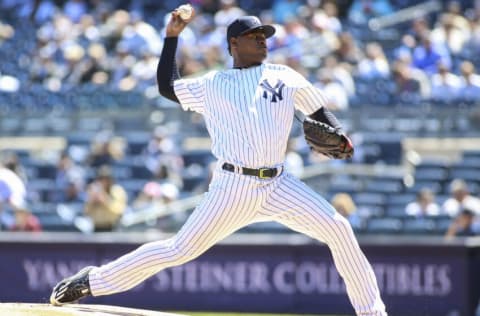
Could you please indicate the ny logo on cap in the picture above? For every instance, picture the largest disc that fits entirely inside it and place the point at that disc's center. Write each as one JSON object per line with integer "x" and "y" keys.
{"x": 276, "y": 91}
{"x": 256, "y": 21}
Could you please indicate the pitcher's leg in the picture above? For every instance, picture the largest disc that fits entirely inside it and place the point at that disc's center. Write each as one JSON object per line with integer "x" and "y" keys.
{"x": 220, "y": 214}
{"x": 298, "y": 207}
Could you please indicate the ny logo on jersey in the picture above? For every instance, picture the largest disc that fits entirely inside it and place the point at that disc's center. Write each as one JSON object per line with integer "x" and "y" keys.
{"x": 275, "y": 91}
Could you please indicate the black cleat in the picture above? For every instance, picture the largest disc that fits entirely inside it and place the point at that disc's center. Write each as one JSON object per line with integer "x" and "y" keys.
{"x": 71, "y": 289}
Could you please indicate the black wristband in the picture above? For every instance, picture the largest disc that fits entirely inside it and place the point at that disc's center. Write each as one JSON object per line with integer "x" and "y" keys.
{"x": 325, "y": 116}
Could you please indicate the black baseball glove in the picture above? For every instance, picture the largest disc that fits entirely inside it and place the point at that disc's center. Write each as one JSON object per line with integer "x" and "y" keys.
{"x": 327, "y": 140}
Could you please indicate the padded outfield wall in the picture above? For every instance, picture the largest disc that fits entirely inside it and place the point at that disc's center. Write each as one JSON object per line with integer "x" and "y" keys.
{"x": 255, "y": 273}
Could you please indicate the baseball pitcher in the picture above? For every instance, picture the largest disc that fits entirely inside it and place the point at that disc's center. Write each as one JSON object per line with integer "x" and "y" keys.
{"x": 249, "y": 111}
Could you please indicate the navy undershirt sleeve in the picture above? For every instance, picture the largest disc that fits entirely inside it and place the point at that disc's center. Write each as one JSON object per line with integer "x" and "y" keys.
{"x": 167, "y": 70}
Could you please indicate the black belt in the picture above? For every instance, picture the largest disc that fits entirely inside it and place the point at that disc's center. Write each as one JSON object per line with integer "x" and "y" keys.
{"x": 263, "y": 173}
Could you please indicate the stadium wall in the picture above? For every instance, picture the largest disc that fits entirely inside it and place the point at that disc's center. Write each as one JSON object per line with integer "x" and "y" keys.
{"x": 255, "y": 273}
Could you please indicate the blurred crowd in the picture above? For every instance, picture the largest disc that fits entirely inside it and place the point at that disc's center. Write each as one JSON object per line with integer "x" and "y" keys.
{"x": 433, "y": 56}
{"x": 85, "y": 184}
{"x": 60, "y": 45}
{"x": 461, "y": 206}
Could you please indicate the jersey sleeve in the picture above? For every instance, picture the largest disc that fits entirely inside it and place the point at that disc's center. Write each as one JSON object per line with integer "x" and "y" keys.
{"x": 309, "y": 99}
{"x": 191, "y": 93}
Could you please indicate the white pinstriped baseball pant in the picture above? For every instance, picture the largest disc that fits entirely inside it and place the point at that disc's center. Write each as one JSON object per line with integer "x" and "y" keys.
{"x": 232, "y": 202}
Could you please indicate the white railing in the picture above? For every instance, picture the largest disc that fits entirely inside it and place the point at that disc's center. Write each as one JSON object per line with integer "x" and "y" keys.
{"x": 404, "y": 15}
{"x": 160, "y": 210}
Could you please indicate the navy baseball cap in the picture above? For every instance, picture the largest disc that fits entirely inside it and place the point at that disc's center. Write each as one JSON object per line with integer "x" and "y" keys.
{"x": 247, "y": 24}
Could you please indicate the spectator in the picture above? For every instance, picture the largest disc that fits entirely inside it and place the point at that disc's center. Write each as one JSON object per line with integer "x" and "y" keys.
{"x": 427, "y": 56}
{"x": 445, "y": 85}
{"x": 454, "y": 36}
{"x": 284, "y": 10}
{"x": 406, "y": 88}
{"x": 361, "y": 11}
{"x": 13, "y": 192}
{"x": 348, "y": 50}
{"x": 228, "y": 12}
{"x": 418, "y": 28}
{"x": 11, "y": 161}
{"x": 75, "y": 9}
{"x": 106, "y": 201}
{"x": 470, "y": 82}
{"x": 344, "y": 204}
{"x": 341, "y": 73}
{"x": 25, "y": 221}
{"x": 14, "y": 214}
{"x": 69, "y": 181}
{"x": 462, "y": 225}
{"x": 375, "y": 64}
{"x": 460, "y": 199}
{"x": 405, "y": 50}
{"x": 162, "y": 157}
{"x": 335, "y": 92}
{"x": 150, "y": 195}
{"x": 327, "y": 18}
{"x": 424, "y": 205}
{"x": 105, "y": 150}
{"x": 471, "y": 47}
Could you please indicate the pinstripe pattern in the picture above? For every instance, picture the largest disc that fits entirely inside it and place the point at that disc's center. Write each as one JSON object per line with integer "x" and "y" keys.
{"x": 298, "y": 207}
{"x": 246, "y": 128}
{"x": 249, "y": 113}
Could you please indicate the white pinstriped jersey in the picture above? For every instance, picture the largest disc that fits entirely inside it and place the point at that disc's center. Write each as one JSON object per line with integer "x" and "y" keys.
{"x": 249, "y": 112}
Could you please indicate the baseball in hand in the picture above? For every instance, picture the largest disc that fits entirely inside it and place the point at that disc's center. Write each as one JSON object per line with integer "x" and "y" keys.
{"x": 185, "y": 11}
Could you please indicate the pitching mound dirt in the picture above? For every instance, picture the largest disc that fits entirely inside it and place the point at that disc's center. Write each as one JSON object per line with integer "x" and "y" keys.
{"x": 26, "y": 309}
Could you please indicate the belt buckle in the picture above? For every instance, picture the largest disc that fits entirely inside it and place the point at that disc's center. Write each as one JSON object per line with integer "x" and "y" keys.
{"x": 261, "y": 173}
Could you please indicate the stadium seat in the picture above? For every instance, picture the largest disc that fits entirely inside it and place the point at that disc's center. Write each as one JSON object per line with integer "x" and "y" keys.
{"x": 471, "y": 154}
{"x": 369, "y": 198}
{"x": 419, "y": 226}
{"x": 401, "y": 199}
{"x": 442, "y": 223}
{"x": 369, "y": 210}
{"x": 41, "y": 190}
{"x": 132, "y": 186}
{"x": 431, "y": 174}
{"x": 203, "y": 157}
{"x": 384, "y": 226}
{"x": 53, "y": 222}
{"x": 466, "y": 173}
{"x": 383, "y": 186}
{"x": 396, "y": 211}
{"x": 435, "y": 186}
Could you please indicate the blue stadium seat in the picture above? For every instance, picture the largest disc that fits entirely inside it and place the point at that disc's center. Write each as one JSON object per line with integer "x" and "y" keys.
{"x": 41, "y": 189}
{"x": 369, "y": 210}
{"x": 53, "y": 222}
{"x": 435, "y": 186}
{"x": 431, "y": 174}
{"x": 132, "y": 186}
{"x": 442, "y": 223}
{"x": 400, "y": 199}
{"x": 383, "y": 186}
{"x": 471, "y": 154}
{"x": 43, "y": 208}
{"x": 203, "y": 157}
{"x": 419, "y": 226}
{"x": 369, "y": 198}
{"x": 384, "y": 226}
{"x": 396, "y": 211}
{"x": 466, "y": 173}
{"x": 265, "y": 227}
